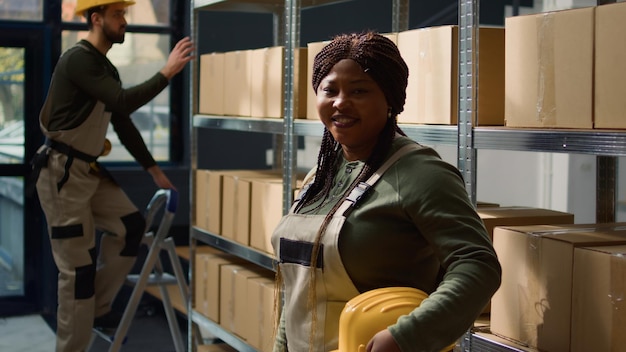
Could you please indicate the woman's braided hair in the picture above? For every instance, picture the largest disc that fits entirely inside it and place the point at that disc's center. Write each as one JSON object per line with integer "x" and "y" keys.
{"x": 379, "y": 57}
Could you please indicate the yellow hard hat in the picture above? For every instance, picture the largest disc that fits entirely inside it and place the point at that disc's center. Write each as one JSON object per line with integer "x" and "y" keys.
{"x": 373, "y": 311}
{"x": 84, "y": 5}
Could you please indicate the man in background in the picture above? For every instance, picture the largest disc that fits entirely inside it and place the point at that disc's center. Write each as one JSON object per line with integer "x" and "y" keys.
{"x": 76, "y": 193}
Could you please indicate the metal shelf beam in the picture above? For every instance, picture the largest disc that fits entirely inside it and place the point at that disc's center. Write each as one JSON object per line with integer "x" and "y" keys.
{"x": 594, "y": 142}
{"x": 250, "y": 254}
{"x": 219, "y": 332}
{"x": 255, "y": 5}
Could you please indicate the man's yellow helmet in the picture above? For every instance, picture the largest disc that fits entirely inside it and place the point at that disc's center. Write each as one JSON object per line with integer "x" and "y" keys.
{"x": 84, "y": 5}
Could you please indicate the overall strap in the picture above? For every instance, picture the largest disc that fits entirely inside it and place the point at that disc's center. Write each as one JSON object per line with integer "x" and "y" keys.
{"x": 362, "y": 187}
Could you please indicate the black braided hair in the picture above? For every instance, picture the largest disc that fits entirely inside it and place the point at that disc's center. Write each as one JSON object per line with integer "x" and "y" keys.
{"x": 376, "y": 54}
{"x": 380, "y": 58}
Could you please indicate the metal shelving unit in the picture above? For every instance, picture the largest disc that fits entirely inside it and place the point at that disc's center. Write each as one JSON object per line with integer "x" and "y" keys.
{"x": 606, "y": 145}
{"x": 593, "y": 142}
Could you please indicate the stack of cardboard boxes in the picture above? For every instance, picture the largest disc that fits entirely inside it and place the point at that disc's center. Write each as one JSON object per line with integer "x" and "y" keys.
{"x": 250, "y": 83}
{"x": 564, "y": 69}
{"x": 562, "y": 286}
{"x": 241, "y": 205}
{"x": 238, "y": 296}
{"x": 559, "y": 69}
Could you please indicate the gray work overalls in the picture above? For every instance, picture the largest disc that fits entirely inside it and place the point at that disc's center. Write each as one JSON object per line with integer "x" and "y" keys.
{"x": 77, "y": 199}
{"x": 292, "y": 242}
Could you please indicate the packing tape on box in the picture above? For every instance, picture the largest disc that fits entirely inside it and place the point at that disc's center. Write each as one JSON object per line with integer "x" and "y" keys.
{"x": 546, "y": 91}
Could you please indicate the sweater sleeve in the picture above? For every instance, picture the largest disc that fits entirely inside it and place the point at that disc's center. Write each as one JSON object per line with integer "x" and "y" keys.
{"x": 94, "y": 74}
{"x": 444, "y": 215}
{"x": 132, "y": 140}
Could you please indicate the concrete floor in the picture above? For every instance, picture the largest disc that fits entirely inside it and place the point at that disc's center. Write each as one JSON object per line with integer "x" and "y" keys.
{"x": 149, "y": 331}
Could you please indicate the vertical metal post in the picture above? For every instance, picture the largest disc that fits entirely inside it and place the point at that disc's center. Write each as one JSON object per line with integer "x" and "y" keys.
{"x": 279, "y": 29}
{"x": 292, "y": 43}
{"x": 606, "y": 169}
{"x": 468, "y": 80}
{"x": 516, "y": 5}
{"x": 192, "y": 335}
{"x": 400, "y": 16}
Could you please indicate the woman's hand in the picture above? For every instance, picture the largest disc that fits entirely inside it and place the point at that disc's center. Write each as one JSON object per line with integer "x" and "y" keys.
{"x": 383, "y": 342}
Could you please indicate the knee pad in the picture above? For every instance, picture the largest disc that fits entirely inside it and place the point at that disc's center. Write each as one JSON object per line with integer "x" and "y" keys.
{"x": 84, "y": 283}
{"x": 135, "y": 225}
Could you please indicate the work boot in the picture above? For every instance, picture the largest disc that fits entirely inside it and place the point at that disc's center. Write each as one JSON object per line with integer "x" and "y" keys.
{"x": 108, "y": 321}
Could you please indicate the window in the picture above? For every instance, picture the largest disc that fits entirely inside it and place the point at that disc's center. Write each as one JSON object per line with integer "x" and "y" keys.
{"x": 21, "y": 10}
{"x": 11, "y": 105}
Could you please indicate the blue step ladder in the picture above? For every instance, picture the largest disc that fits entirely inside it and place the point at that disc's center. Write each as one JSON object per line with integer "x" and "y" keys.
{"x": 164, "y": 201}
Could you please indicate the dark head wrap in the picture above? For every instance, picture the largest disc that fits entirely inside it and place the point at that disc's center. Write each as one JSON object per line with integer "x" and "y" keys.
{"x": 376, "y": 54}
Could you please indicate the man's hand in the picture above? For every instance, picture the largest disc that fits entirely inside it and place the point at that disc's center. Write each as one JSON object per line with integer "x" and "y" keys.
{"x": 179, "y": 57}
{"x": 382, "y": 342}
{"x": 160, "y": 179}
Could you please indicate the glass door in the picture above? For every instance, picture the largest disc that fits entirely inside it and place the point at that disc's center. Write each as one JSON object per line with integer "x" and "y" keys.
{"x": 23, "y": 283}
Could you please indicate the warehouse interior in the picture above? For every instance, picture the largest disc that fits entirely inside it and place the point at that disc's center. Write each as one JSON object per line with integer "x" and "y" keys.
{"x": 566, "y": 169}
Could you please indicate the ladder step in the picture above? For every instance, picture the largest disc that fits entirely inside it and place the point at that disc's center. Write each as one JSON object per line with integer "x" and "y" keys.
{"x": 107, "y": 335}
{"x": 153, "y": 279}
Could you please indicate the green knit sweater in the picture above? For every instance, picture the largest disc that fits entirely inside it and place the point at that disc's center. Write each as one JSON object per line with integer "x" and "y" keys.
{"x": 417, "y": 219}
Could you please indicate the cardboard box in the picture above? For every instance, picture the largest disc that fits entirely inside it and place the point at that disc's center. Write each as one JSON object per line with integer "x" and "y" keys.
{"x": 268, "y": 82}
{"x": 201, "y": 199}
{"x": 212, "y": 283}
{"x": 235, "y": 209}
{"x": 262, "y": 315}
{"x": 243, "y": 311}
{"x": 230, "y": 295}
{"x": 214, "y": 201}
{"x": 549, "y": 69}
{"x": 213, "y": 182}
{"x": 313, "y": 49}
{"x": 432, "y": 92}
{"x": 203, "y": 277}
{"x": 266, "y": 212}
{"x": 227, "y": 296}
{"x": 480, "y": 204}
{"x": 519, "y": 216}
{"x": 598, "y": 306}
{"x": 533, "y": 304}
{"x": 211, "y": 87}
{"x": 610, "y": 71}
{"x": 237, "y": 88}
